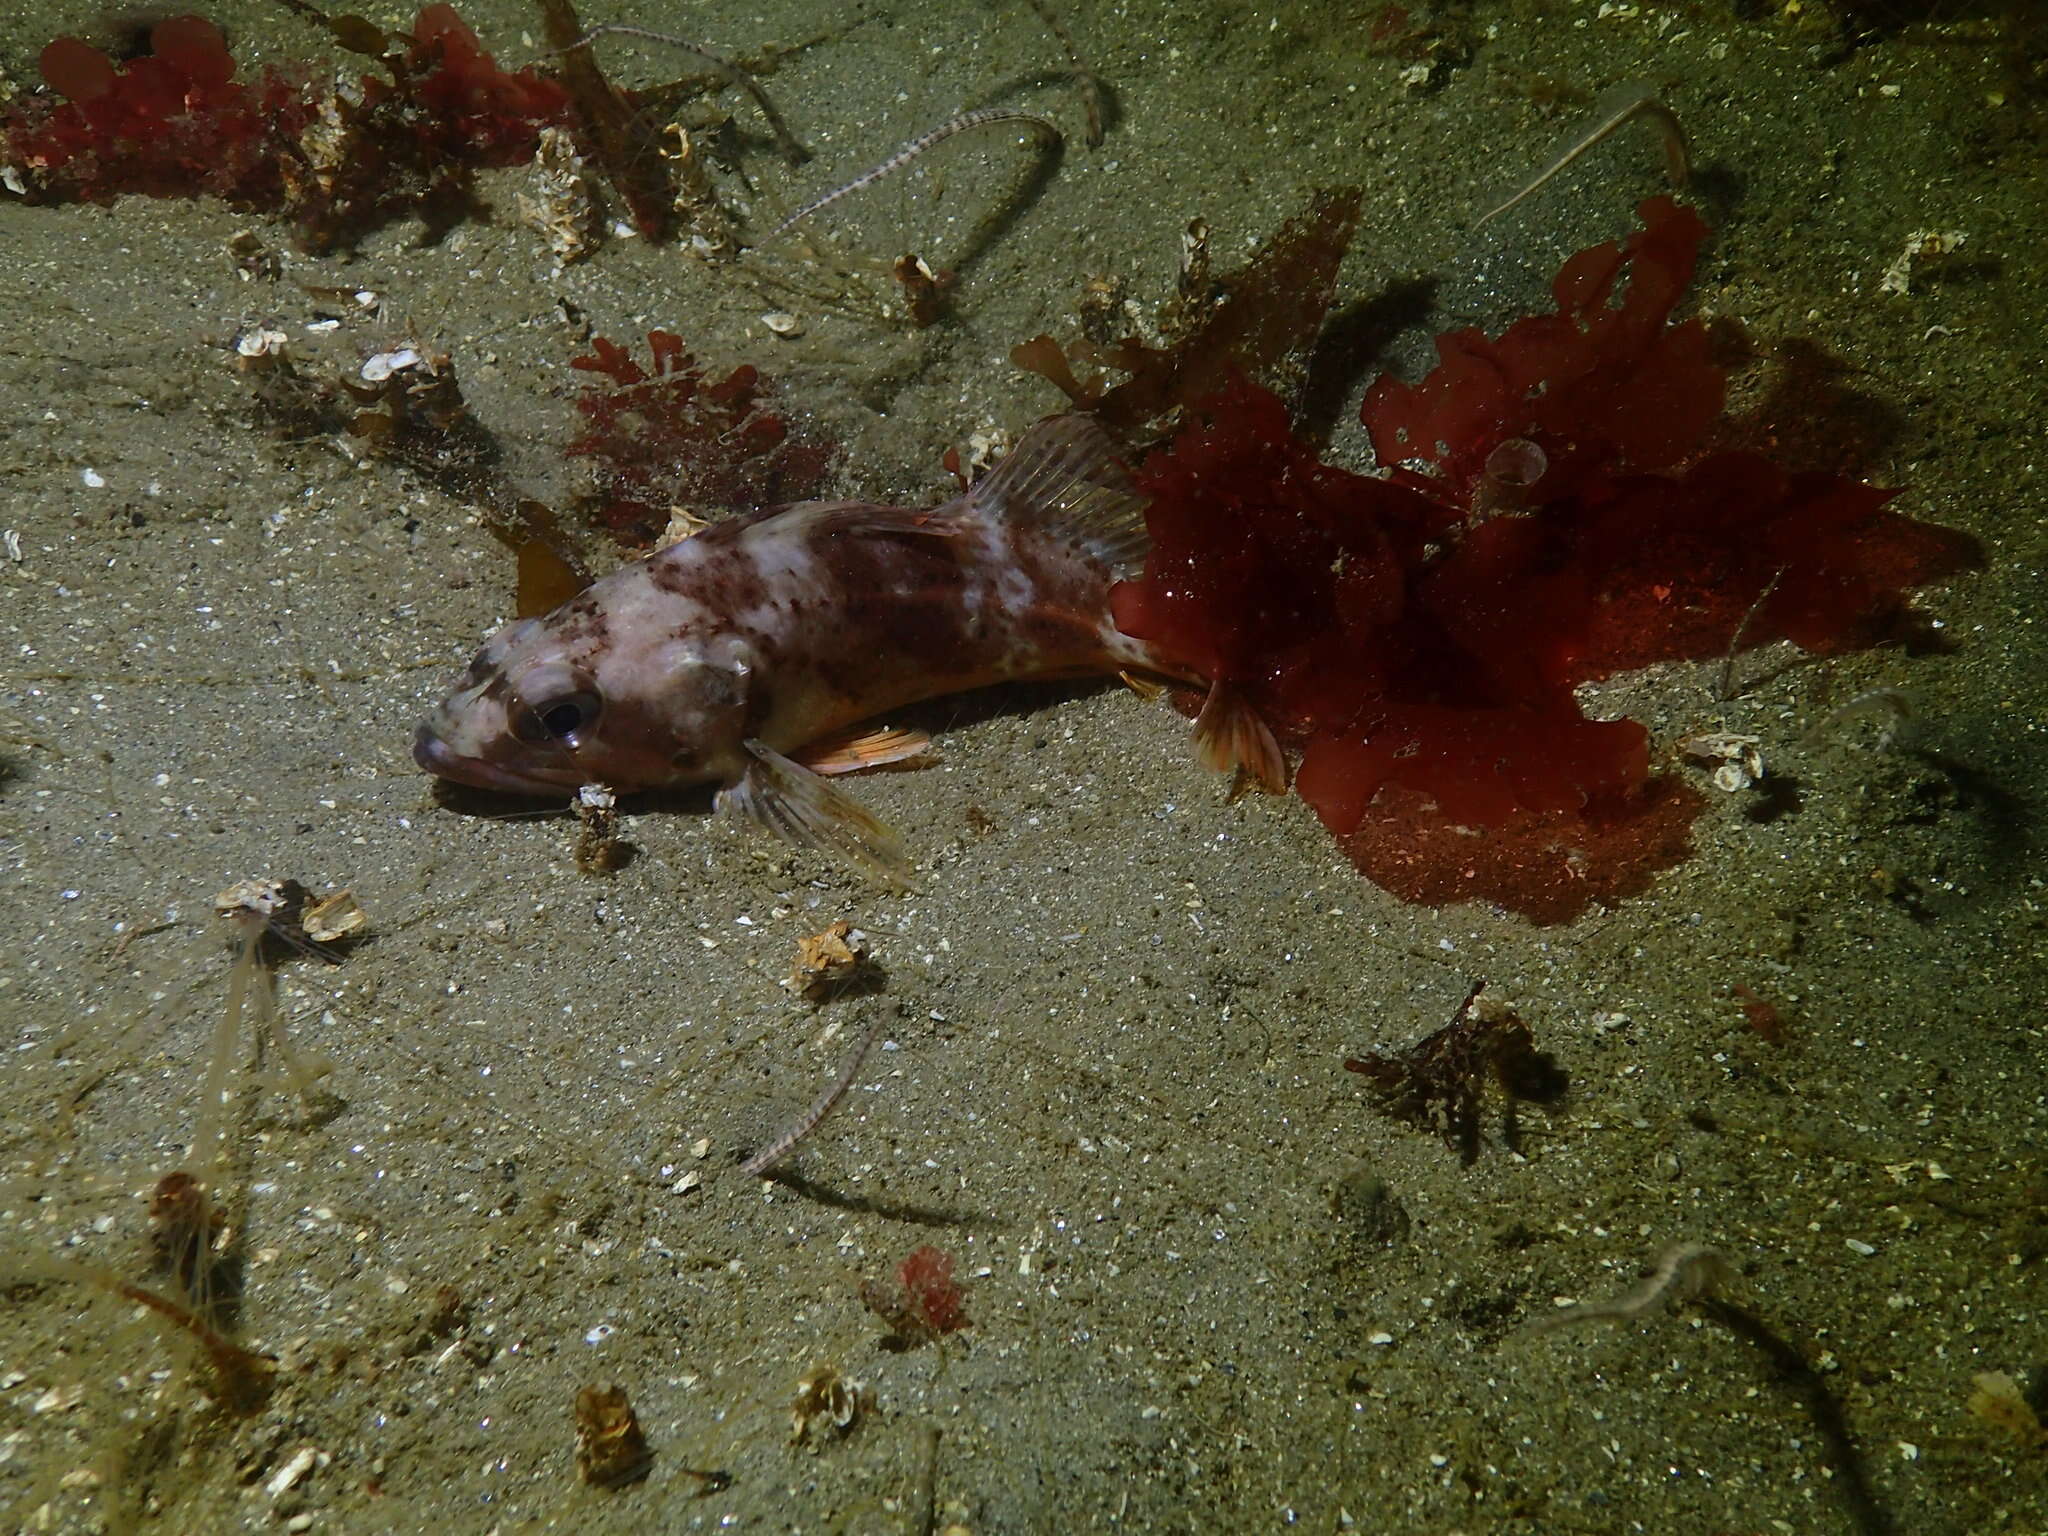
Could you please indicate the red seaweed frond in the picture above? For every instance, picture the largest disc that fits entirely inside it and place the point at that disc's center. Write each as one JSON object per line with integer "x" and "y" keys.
{"x": 677, "y": 437}
{"x": 1601, "y": 388}
{"x": 176, "y": 123}
{"x": 171, "y": 123}
{"x": 1545, "y": 520}
{"x": 922, "y": 1301}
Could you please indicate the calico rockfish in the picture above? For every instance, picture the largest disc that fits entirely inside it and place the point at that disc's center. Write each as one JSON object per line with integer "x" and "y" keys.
{"x": 749, "y": 655}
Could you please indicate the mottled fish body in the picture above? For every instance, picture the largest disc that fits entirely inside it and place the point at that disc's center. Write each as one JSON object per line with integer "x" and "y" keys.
{"x": 743, "y": 655}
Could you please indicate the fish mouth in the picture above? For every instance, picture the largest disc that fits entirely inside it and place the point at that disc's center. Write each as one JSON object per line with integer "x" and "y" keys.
{"x": 444, "y": 762}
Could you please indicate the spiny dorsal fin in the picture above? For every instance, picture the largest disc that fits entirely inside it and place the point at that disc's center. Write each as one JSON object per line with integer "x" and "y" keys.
{"x": 1063, "y": 479}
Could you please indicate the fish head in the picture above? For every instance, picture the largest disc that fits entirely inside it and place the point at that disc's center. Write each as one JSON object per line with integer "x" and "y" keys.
{"x": 543, "y": 710}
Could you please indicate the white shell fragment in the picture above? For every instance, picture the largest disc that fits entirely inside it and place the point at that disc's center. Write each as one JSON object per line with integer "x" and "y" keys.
{"x": 682, "y": 524}
{"x": 261, "y": 343}
{"x": 1921, "y": 245}
{"x": 783, "y": 323}
{"x": 384, "y": 364}
{"x": 263, "y": 897}
{"x": 288, "y": 1476}
{"x": 1740, "y": 758}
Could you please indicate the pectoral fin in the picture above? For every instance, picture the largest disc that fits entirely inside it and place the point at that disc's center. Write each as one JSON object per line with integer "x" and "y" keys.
{"x": 794, "y": 803}
{"x": 865, "y": 746}
{"x": 1231, "y": 737}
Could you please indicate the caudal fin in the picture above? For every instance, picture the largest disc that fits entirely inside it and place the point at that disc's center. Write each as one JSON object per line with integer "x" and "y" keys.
{"x": 1231, "y": 737}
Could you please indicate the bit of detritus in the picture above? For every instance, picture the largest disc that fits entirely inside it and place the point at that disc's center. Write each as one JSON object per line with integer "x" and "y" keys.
{"x": 611, "y": 1449}
{"x": 1438, "y": 1082}
{"x": 600, "y": 849}
{"x": 926, "y": 294}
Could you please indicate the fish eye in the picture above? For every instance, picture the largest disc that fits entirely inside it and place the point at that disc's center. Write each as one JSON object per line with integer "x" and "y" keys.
{"x": 559, "y": 716}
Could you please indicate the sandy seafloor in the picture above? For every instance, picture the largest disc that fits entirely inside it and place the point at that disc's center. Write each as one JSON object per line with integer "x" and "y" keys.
{"x": 1110, "y": 1080}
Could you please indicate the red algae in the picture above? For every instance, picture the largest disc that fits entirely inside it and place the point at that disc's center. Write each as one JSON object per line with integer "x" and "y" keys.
{"x": 412, "y": 144}
{"x": 172, "y": 123}
{"x": 1546, "y": 519}
{"x": 1601, "y": 388}
{"x": 676, "y": 437}
{"x": 922, "y": 1301}
{"x": 469, "y": 101}
{"x": 176, "y": 123}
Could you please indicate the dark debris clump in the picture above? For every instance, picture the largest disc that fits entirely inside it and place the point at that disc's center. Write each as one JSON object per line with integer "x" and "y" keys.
{"x": 1439, "y": 1082}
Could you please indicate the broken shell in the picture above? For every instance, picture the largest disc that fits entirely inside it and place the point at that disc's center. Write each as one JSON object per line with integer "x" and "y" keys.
{"x": 610, "y": 1448}
{"x": 337, "y": 915}
{"x": 783, "y": 323}
{"x": 266, "y": 898}
{"x": 1732, "y": 777}
{"x": 379, "y": 368}
{"x": 828, "y": 961}
{"x": 823, "y": 1397}
{"x": 261, "y": 343}
{"x": 1739, "y": 758}
{"x": 682, "y": 524}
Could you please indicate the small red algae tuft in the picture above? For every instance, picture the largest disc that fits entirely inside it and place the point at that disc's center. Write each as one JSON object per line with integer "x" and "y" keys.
{"x": 674, "y": 436}
{"x": 1766, "y": 1020}
{"x": 922, "y": 1301}
{"x": 927, "y": 1278}
{"x": 1545, "y": 520}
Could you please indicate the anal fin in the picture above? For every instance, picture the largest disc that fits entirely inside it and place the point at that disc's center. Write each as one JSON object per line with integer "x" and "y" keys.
{"x": 863, "y": 746}
{"x": 795, "y": 803}
{"x": 1231, "y": 737}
